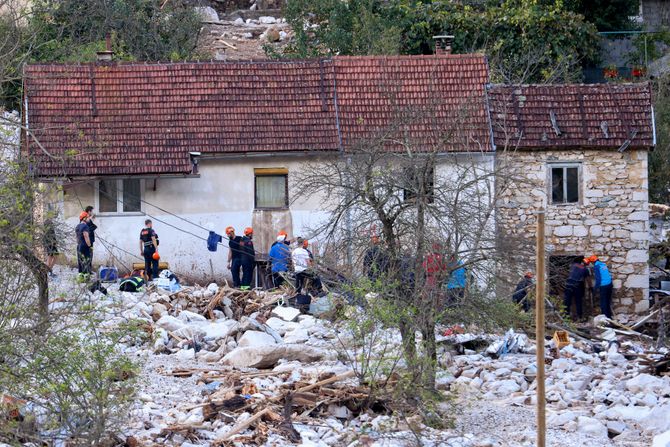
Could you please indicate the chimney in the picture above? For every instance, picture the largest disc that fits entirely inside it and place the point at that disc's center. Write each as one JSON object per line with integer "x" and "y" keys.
{"x": 106, "y": 56}
{"x": 443, "y": 44}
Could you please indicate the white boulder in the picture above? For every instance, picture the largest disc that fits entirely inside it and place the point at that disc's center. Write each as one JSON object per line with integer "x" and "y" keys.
{"x": 170, "y": 323}
{"x": 644, "y": 383}
{"x": 662, "y": 440}
{"x": 268, "y": 356}
{"x": 592, "y": 427}
{"x": 286, "y": 313}
{"x": 188, "y": 316}
{"x": 255, "y": 339}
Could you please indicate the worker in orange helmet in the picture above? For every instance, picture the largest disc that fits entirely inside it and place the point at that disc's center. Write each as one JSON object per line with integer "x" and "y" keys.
{"x": 279, "y": 257}
{"x": 148, "y": 250}
{"x": 84, "y": 245}
{"x": 234, "y": 255}
{"x": 603, "y": 284}
{"x": 247, "y": 258}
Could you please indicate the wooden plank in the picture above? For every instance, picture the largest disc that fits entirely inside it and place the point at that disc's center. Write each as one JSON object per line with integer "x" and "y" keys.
{"x": 243, "y": 425}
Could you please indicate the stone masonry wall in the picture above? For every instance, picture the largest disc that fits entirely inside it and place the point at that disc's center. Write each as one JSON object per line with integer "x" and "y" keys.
{"x": 611, "y": 219}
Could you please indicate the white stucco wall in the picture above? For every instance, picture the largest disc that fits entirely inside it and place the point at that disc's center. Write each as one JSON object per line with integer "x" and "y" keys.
{"x": 222, "y": 195}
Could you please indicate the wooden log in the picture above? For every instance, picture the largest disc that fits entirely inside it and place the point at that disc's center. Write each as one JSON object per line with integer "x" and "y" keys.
{"x": 242, "y": 425}
{"x": 644, "y": 320}
{"x": 305, "y": 399}
{"x": 330, "y": 380}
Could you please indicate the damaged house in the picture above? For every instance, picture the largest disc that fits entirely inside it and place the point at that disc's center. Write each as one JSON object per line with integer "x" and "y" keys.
{"x": 201, "y": 146}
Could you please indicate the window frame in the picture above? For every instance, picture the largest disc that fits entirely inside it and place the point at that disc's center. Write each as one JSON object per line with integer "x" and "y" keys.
{"x": 119, "y": 198}
{"x": 271, "y": 172}
{"x": 550, "y": 182}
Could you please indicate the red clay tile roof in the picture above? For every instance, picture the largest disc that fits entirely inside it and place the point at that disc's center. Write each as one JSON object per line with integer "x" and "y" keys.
{"x": 434, "y": 102}
{"x": 146, "y": 118}
{"x": 608, "y": 116}
{"x": 102, "y": 119}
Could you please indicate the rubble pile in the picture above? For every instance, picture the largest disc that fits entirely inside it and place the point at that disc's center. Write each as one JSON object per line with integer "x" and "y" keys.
{"x": 601, "y": 389}
{"x": 242, "y": 34}
{"x": 228, "y": 367}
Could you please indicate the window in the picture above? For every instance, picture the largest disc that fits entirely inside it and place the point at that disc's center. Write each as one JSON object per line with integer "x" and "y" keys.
{"x": 271, "y": 188}
{"x": 411, "y": 190}
{"x": 565, "y": 183}
{"x": 119, "y": 196}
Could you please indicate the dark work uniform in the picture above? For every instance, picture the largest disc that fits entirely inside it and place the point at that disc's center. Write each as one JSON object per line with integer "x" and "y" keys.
{"x": 150, "y": 264}
{"x": 375, "y": 262}
{"x": 248, "y": 261}
{"x": 236, "y": 259}
{"x": 574, "y": 288}
{"x": 84, "y": 253}
{"x": 521, "y": 292}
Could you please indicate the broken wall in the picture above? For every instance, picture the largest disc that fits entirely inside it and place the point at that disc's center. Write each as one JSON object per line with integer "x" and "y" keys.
{"x": 610, "y": 220}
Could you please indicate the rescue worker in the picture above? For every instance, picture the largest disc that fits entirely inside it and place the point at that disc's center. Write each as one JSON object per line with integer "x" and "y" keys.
{"x": 234, "y": 255}
{"x": 574, "y": 287}
{"x": 91, "y": 224}
{"x": 435, "y": 267}
{"x": 148, "y": 247}
{"x": 247, "y": 258}
{"x": 603, "y": 284}
{"x": 457, "y": 279}
{"x": 280, "y": 258}
{"x": 303, "y": 263}
{"x": 50, "y": 243}
{"x": 84, "y": 245}
{"x": 521, "y": 291}
{"x": 375, "y": 260}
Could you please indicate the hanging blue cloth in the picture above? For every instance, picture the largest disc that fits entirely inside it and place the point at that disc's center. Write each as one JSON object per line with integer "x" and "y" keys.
{"x": 213, "y": 240}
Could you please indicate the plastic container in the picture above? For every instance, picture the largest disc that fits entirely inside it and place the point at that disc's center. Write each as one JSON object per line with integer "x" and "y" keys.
{"x": 108, "y": 274}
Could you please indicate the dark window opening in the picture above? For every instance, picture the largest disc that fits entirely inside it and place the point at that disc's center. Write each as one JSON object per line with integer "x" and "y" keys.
{"x": 414, "y": 186}
{"x": 564, "y": 184}
{"x": 108, "y": 196}
{"x": 120, "y": 196}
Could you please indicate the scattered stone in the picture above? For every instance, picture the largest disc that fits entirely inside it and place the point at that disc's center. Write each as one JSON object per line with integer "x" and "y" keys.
{"x": 286, "y": 313}
{"x": 268, "y": 356}
{"x": 254, "y": 339}
{"x": 207, "y": 14}
{"x": 592, "y": 427}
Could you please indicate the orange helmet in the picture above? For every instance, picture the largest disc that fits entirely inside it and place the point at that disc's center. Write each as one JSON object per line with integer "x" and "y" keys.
{"x": 529, "y": 274}
{"x": 248, "y": 231}
{"x": 282, "y": 233}
{"x": 305, "y": 243}
{"x": 229, "y": 231}
{"x": 593, "y": 258}
{"x": 83, "y": 215}
{"x": 156, "y": 256}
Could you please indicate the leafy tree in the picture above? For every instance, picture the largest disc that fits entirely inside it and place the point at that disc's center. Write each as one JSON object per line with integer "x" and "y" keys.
{"x": 517, "y": 34}
{"x": 606, "y": 15}
{"x": 142, "y": 29}
{"x": 74, "y": 30}
{"x": 659, "y": 158}
{"x": 354, "y": 27}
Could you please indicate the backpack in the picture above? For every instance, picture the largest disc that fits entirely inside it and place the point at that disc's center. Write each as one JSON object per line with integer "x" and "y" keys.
{"x": 131, "y": 284}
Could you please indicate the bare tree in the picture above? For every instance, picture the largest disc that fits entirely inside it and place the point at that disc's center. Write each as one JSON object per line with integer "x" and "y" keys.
{"x": 433, "y": 211}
